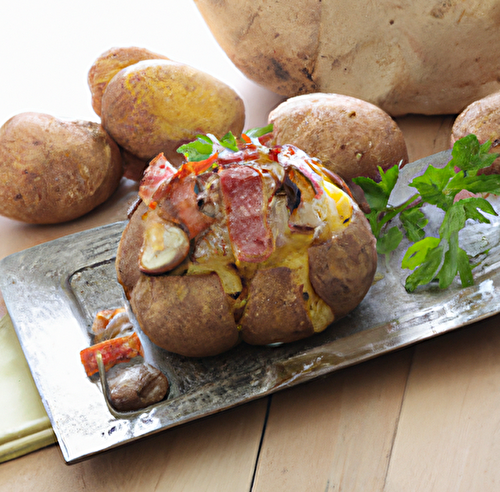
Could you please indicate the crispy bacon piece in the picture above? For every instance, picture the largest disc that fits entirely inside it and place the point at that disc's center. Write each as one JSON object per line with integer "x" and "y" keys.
{"x": 179, "y": 204}
{"x": 113, "y": 352}
{"x": 246, "y": 209}
{"x": 250, "y": 153}
{"x": 158, "y": 171}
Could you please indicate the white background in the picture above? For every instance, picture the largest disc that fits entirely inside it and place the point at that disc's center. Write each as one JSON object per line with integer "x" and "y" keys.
{"x": 47, "y": 48}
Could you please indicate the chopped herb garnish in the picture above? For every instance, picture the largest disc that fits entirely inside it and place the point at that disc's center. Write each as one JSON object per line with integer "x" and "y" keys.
{"x": 259, "y": 131}
{"x": 205, "y": 145}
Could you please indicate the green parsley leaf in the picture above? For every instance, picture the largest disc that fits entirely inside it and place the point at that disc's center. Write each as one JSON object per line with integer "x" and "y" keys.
{"x": 389, "y": 241}
{"x": 415, "y": 254}
{"x": 432, "y": 183}
{"x": 427, "y": 271}
{"x": 259, "y": 131}
{"x": 414, "y": 221}
{"x": 377, "y": 194}
{"x": 229, "y": 141}
{"x": 480, "y": 183}
{"x": 469, "y": 155}
{"x": 203, "y": 147}
{"x": 197, "y": 150}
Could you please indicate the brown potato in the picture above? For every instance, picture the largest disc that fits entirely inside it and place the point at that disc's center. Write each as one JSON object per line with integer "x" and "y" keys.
{"x": 109, "y": 64}
{"x": 482, "y": 118}
{"x": 275, "y": 300}
{"x": 341, "y": 270}
{"x": 161, "y": 305}
{"x": 157, "y": 105}
{"x": 351, "y": 137}
{"x": 428, "y": 57}
{"x": 53, "y": 170}
{"x": 127, "y": 268}
{"x": 286, "y": 252}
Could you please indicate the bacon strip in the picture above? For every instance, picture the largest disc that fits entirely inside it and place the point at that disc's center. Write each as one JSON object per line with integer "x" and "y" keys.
{"x": 158, "y": 171}
{"x": 113, "y": 352}
{"x": 246, "y": 210}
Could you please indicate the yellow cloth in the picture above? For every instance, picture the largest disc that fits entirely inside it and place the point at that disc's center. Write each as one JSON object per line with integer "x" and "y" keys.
{"x": 24, "y": 425}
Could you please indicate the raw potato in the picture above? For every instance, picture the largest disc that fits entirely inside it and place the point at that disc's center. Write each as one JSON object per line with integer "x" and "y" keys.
{"x": 350, "y": 136}
{"x": 482, "y": 118}
{"x": 109, "y": 64}
{"x": 53, "y": 170}
{"x": 425, "y": 56}
{"x": 313, "y": 254}
{"x": 157, "y": 105}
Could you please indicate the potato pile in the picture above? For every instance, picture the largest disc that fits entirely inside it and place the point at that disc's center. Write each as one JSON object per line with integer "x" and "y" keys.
{"x": 53, "y": 170}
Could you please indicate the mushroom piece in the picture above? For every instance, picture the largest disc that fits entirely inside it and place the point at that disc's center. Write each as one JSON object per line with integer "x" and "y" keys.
{"x": 135, "y": 385}
{"x": 165, "y": 246}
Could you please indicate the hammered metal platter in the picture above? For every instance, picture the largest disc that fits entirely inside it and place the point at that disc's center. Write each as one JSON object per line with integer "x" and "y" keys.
{"x": 52, "y": 292}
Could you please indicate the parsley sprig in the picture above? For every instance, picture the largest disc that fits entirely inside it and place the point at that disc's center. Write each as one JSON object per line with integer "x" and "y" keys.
{"x": 434, "y": 258}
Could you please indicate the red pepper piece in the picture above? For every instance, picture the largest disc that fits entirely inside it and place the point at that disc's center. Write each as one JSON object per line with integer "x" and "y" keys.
{"x": 246, "y": 209}
{"x": 113, "y": 352}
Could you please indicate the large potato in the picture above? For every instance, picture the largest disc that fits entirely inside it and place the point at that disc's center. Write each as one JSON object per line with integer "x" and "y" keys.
{"x": 53, "y": 170}
{"x": 482, "y": 118}
{"x": 350, "y": 136}
{"x": 276, "y": 251}
{"x": 107, "y": 65}
{"x": 157, "y": 105}
{"x": 425, "y": 56}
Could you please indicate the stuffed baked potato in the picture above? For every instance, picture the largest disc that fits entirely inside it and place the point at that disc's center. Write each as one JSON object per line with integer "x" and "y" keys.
{"x": 255, "y": 243}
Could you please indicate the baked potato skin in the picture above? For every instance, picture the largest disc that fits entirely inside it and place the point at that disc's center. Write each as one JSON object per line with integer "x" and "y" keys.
{"x": 53, "y": 170}
{"x": 127, "y": 256}
{"x": 342, "y": 269}
{"x": 188, "y": 315}
{"x": 107, "y": 65}
{"x": 157, "y": 105}
{"x": 482, "y": 118}
{"x": 351, "y": 137}
{"x": 276, "y": 310}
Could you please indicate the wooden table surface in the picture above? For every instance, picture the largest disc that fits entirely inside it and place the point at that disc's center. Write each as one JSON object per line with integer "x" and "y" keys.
{"x": 425, "y": 418}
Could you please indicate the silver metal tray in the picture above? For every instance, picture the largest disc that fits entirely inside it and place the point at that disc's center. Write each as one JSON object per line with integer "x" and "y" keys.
{"x": 53, "y": 290}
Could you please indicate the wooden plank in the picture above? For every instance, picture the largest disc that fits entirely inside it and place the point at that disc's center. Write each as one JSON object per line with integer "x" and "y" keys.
{"x": 216, "y": 454}
{"x": 334, "y": 433}
{"x": 448, "y": 437}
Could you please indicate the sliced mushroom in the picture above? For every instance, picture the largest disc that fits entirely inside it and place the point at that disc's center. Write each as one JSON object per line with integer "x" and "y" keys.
{"x": 165, "y": 246}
